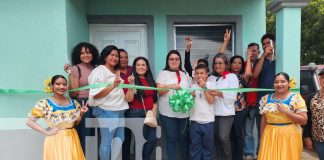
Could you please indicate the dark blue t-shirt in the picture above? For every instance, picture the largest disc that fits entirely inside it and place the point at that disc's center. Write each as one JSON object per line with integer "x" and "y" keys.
{"x": 266, "y": 77}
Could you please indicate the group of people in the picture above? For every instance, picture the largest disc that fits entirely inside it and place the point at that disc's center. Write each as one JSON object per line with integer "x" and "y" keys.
{"x": 221, "y": 123}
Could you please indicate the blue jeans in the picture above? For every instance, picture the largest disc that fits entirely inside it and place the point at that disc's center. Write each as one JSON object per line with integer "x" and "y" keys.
{"x": 253, "y": 115}
{"x": 319, "y": 148}
{"x": 149, "y": 134}
{"x": 177, "y": 130}
{"x": 202, "y": 138}
{"x": 111, "y": 125}
{"x": 83, "y": 132}
{"x": 237, "y": 135}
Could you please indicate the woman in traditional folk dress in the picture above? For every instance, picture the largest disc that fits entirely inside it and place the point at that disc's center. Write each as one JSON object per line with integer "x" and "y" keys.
{"x": 61, "y": 114}
{"x": 282, "y": 114}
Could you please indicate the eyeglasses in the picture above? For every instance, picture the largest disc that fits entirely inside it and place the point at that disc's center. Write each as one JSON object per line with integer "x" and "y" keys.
{"x": 219, "y": 64}
{"x": 174, "y": 59}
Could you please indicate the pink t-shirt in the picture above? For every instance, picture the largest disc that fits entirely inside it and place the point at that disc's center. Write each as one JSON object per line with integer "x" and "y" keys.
{"x": 83, "y": 79}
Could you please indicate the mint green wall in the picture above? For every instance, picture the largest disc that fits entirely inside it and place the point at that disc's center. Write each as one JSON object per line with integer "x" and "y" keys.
{"x": 288, "y": 26}
{"x": 252, "y": 11}
{"x": 37, "y": 36}
{"x": 76, "y": 22}
{"x": 33, "y": 45}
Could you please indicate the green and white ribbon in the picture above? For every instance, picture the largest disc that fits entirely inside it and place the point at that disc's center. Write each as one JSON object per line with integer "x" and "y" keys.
{"x": 131, "y": 86}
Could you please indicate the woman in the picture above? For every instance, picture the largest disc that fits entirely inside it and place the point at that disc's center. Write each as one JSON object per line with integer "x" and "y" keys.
{"x": 110, "y": 102}
{"x": 84, "y": 59}
{"x": 237, "y": 132}
{"x": 61, "y": 115}
{"x": 140, "y": 102}
{"x": 125, "y": 69}
{"x": 175, "y": 123}
{"x": 314, "y": 130}
{"x": 282, "y": 114}
{"x": 224, "y": 105}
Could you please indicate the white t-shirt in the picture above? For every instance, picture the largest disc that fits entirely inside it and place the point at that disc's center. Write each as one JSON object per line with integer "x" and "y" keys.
{"x": 225, "y": 106}
{"x": 166, "y": 78}
{"x": 113, "y": 101}
{"x": 202, "y": 112}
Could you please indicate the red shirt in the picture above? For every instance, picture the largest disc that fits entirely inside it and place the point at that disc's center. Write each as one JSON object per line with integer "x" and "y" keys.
{"x": 148, "y": 97}
{"x": 251, "y": 97}
{"x": 129, "y": 72}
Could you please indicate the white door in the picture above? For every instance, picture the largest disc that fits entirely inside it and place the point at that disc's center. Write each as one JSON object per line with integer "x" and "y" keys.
{"x": 131, "y": 37}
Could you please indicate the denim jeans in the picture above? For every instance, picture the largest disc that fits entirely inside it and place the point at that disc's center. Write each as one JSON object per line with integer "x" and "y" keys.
{"x": 177, "y": 130}
{"x": 111, "y": 126}
{"x": 237, "y": 135}
{"x": 253, "y": 115}
{"x": 319, "y": 148}
{"x": 223, "y": 125}
{"x": 149, "y": 134}
{"x": 202, "y": 138}
{"x": 83, "y": 132}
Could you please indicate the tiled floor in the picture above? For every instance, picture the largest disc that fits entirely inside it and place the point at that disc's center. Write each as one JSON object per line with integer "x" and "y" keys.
{"x": 307, "y": 155}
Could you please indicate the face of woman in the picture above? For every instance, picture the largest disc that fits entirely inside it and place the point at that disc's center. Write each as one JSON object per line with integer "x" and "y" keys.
{"x": 236, "y": 66}
{"x": 141, "y": 67}
{"x": 174, "y": 62}
{"x": 123, "y": 59}
{"x": 60, "y": 86}
{"x": 281, "y": 85}
{"x": 112, "y": 58}
{"x": 219, "y": 65}
{"x": 85, "y": 56}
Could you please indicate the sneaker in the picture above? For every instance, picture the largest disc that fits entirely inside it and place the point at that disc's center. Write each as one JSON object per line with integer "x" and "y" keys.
{"x": 250, "y": 157}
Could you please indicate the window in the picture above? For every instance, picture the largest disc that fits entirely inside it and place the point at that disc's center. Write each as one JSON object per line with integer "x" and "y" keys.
{"x": 207, "y": 39}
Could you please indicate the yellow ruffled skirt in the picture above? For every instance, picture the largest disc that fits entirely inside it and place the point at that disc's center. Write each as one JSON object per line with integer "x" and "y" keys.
{"x": 281, "y": 143}
{"x": 65, "y": 145}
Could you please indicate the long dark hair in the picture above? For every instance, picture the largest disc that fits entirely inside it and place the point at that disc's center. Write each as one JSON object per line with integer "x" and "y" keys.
{"x": 106, "y": 52}
{"x": 167, "y": 67}
{"x": 148, "y": 77}
{"x": 232, "y": 60}
{"x": 76, "y": 52}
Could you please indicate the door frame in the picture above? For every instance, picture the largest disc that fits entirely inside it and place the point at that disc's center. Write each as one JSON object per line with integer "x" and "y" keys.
{"x": 130, "y": 20}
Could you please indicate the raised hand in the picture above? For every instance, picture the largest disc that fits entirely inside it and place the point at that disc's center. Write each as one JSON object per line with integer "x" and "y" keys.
{"x": 117, "y": 79}
{"x": 188, "y": 43}
{"x": 67, "y": 68}
{"x": 131, "y": 79}
{"x": 227, "y": 35}
{"x": 84, "y": 107}
{"x": 248, "y": 53}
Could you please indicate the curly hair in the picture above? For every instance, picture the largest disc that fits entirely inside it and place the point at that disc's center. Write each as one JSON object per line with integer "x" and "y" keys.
{"x": 76, "y": 52}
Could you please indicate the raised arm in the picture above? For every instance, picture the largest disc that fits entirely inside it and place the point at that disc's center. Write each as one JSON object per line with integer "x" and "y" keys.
{"x": 248, "y": 67}
{"x": 187, "y": 63}
{"x": 227, "y": 37}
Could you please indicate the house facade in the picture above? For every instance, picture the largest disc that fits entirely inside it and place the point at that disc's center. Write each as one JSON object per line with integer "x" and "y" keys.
{"x": 38, "y": 36}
